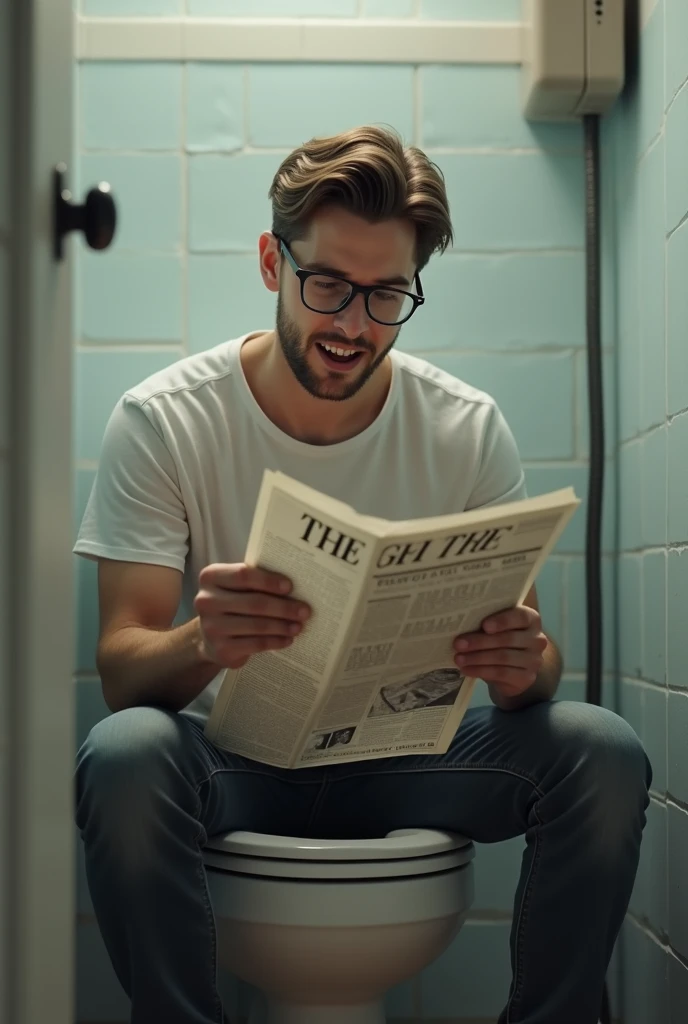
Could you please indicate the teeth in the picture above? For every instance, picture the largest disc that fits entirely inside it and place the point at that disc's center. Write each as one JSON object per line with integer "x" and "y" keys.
{"x": 340, "y": 351}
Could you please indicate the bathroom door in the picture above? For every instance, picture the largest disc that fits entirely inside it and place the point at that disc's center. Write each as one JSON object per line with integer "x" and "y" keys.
{"x": 36, "y": 696}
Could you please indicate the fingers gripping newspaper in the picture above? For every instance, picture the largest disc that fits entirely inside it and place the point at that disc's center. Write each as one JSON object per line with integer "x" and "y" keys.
{"x": 372, "y": 674}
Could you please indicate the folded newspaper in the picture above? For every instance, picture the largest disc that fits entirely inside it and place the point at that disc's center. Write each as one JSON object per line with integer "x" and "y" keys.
{"x": 372, "y": 674}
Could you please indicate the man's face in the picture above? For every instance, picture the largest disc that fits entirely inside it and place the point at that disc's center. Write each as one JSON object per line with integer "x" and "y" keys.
{"x": 342, "y": 243}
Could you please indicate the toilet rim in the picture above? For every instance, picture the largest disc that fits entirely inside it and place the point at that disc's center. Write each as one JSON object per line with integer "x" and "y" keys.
{"x": 400, "y": 844}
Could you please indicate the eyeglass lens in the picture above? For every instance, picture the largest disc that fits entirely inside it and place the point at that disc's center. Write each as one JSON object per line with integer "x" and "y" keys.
{"x": 326, "y": 294}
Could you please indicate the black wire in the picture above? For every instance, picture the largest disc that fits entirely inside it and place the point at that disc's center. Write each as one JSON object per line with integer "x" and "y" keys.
{"x": 596, "y": 412}
{"x": 593, "y": 543}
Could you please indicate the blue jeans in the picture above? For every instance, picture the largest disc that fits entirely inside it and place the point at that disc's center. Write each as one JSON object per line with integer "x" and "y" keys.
{"x": 573, "y": 778}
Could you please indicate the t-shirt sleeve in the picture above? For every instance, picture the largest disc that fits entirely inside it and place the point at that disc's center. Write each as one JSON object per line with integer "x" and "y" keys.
{"x": 500, "y": 477}
{"x": 135, "y": 512}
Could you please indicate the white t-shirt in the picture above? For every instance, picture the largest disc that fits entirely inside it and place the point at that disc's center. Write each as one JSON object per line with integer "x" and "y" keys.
{"x": 184, "y": 452}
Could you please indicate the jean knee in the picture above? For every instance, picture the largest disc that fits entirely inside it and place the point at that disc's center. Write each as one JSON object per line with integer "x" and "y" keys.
{"x": 611, "y": 767}
{"x": 127, "y": 770}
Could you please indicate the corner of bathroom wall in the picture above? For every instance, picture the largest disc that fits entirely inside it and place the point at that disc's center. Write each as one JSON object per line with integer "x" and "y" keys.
{"x": 649, "y": 129}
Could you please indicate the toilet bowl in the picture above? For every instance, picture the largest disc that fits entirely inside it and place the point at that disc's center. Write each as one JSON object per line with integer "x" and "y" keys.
{"x": 323, "y": 928}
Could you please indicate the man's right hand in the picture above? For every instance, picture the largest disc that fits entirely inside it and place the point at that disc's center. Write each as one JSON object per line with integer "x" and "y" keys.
{"x": 243, "y": 610}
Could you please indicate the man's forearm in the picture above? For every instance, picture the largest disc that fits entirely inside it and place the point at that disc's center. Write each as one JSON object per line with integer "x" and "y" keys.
{"x": 544, "y": 687}
{"x": 165, "y": 668}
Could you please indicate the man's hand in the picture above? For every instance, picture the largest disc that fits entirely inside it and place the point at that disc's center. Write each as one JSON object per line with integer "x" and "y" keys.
{"x": 508, "y": 652}
{"x": 243, "y": 610}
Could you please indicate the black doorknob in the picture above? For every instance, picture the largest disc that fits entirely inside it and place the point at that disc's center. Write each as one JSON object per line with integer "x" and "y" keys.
{"x": 96, "y": 217}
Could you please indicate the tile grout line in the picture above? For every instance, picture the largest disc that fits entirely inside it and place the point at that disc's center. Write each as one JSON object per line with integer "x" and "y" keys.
{"x": 666, "y": 450}
{"x": 133, "y": 346}
{"x": 246, "y": 112}
{"x": 579, "y": 367}
{"x": 641, "y": 638}
{"x": 565, "y": 622}
{"x": 185, "y": 197}
{"x": 644, "y": 925}
{"x": 642, "y": 434}
{"x": 499, "y": 151}
{"x": 674, "y": 801}
{"x": 677, "y": 227}
{"x": 417, "y": 105}
{"x": 683, "y": 86}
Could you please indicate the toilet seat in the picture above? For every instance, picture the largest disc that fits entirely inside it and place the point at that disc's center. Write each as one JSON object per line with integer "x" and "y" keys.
{"x": 404, "y": 852}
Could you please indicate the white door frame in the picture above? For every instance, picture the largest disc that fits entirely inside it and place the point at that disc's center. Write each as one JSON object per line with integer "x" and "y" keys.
{"x": 40, "y": 832}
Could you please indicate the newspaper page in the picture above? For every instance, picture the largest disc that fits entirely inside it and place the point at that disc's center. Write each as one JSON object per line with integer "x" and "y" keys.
{"x": 372, "y": 674}
{"x": 262, "y": 710}
{"x": 397, "y": 690}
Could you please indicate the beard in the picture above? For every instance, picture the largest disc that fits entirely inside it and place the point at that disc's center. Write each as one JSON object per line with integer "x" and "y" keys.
{"x": 334, "y": 387}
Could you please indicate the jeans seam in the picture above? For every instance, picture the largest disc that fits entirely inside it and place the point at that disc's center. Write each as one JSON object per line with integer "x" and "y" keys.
{"x": 520, "y": 925}
{"x": 247, "y": 771}
{"x": 200, "y": 841}
{"x": 460, "y": 766}
{"x": 320, "y": 796}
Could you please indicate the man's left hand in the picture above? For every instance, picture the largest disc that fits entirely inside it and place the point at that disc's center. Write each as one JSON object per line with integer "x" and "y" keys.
{"x": 507, "y": 653}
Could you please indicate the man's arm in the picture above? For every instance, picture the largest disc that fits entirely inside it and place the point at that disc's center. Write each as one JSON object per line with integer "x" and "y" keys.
{"x": 141, "y": 658}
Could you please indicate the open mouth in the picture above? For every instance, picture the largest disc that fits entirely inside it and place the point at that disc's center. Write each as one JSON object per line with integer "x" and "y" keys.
{"x": 339, "y": 357}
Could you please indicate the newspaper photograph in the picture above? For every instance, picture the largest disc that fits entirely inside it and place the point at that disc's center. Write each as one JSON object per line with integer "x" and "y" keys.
{"x": 372, "y": 674}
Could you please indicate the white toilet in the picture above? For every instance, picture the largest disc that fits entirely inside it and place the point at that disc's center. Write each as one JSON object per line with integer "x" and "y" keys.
{"x": 325, "y": 927}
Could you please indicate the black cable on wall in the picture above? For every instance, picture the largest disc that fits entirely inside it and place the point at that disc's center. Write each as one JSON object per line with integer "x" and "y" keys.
{"x": 593, "y": 540}
{"x": 593, "y": 550}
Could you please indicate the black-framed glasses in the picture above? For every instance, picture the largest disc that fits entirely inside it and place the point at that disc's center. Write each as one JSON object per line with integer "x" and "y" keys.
{"x": 330, "y": 293}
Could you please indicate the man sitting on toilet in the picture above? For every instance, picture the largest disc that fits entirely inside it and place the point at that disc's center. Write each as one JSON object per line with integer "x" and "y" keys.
{"x": 325, "y": 397}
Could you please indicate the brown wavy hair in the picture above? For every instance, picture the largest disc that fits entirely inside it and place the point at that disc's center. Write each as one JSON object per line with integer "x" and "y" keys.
{"x": 370, "y": 173}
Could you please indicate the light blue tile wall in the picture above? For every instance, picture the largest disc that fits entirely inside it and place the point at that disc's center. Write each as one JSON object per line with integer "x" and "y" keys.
{"x": 215, "y": 107}
{"x": 677, "y": 521}
{"x": 520, "y": 321}
{"x": 676, "y": 58}
{"x": 472, "y": 10}
{"x": 132, "y": 8}
{"x": 652, "y": 309}
{"x": 677, "y": 602}
{"x": 148, "y": 187}
{"x": 190, "y": 150}
{"x": 273, "y": 8}
{"x": 131, "y": 106}
{"x": 676, "y": 134}
{"x": 677, "y": 315}
{"x": 505, "y": 201}
{"x": 648, "y": 160}
{"x": 133, "y": 297}
{"x": 645, "y": 974}
{"x": 388, "y": 8}
{"x": 345, "y": 95}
